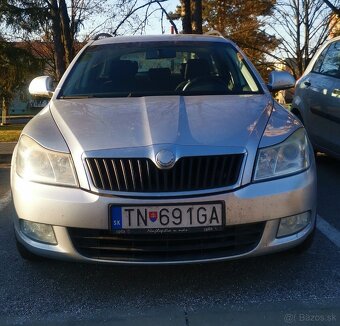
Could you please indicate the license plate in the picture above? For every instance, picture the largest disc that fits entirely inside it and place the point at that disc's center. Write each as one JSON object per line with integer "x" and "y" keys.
{"x": 167, "y": 217}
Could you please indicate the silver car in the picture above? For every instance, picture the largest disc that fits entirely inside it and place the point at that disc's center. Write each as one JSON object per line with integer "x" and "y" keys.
{"x": 162, "y": 150}
{"x": 317, "y": 98}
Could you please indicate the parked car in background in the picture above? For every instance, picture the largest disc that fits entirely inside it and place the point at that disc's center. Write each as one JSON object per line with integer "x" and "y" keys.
{"x": 317, "y": 98}
{"x": 162, "y": 150}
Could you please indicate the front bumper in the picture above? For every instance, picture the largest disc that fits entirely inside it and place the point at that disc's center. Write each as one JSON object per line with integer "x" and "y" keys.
{"x": 66, "y": 208}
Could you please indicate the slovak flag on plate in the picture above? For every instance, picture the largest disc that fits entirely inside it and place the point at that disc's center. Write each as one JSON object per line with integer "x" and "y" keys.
{"x": 153, "y": 216}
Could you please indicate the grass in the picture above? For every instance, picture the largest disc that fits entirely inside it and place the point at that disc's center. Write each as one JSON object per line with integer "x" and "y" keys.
{"x": 10, "y": 133}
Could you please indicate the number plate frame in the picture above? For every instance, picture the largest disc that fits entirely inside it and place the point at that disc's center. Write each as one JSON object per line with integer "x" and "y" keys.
{"x": 178, "y": 229}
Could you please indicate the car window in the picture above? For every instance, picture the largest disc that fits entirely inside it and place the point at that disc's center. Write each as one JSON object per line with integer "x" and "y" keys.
{"x": 163, "y": 68}
{"x": 328, "y": 62}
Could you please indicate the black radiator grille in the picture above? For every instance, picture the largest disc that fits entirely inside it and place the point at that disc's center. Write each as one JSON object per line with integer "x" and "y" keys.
{"x": 142, "y": 175}
{"x": 104, "y": 245}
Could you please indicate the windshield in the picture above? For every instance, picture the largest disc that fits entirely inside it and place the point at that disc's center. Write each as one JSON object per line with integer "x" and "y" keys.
{"x": 159, "y": 68}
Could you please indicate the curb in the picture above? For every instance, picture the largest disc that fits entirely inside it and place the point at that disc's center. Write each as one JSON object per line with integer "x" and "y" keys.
{"x": 6, "y": 151}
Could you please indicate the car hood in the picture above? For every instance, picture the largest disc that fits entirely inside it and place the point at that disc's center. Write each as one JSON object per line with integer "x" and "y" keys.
{"x": 100, "y": 124}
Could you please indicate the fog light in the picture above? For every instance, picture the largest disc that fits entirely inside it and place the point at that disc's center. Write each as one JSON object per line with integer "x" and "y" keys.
{"x": 38, "y": 231}
{"x": 293, "y": 224}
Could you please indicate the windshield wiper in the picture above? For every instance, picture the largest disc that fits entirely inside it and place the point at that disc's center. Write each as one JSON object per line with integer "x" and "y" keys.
{"x": 68, "y": 97}
{"x": 97, "y": 95}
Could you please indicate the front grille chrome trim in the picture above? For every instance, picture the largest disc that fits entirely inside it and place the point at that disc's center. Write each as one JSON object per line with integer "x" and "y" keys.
{"x": 188, "y": 175}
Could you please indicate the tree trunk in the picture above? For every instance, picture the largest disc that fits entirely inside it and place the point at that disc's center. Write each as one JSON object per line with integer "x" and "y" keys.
{"x": 334, "y": 9}
{"x": 307, "y": 36}
{"x": 59, "y": 53}
{"x": 186, "y": 16}
{"x": 4, "y": 112}
{"x": 297, "y": 9}
{"x": 67, "y": 34}
{"x": 197, "y": 17}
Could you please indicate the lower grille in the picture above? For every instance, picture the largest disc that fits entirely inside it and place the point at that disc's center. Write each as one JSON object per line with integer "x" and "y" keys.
{"x": 104, "y": 245}
{"x": 142, "y": 175}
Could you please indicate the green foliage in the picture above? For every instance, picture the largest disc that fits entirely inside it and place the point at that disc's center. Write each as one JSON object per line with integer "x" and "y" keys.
{"x": 17, "y": 14}
{"x": 17, "y": 66}
{"x": 48, "y": 18}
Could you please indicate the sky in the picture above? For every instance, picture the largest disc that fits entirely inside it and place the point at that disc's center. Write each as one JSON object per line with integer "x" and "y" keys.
{"x": 153, "y": 27}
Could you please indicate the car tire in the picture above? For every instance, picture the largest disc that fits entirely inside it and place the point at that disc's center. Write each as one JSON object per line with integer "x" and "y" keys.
{"x": 25, "y": 253}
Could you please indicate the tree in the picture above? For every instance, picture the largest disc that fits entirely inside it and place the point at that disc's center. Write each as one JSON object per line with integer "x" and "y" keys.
{"x": 244, "y": 23}
{"x": 17, "y": 66}
{"x": 134, "y": 15}
{"x": 302, "y": 26}
{"x": 53, "y": 30}
{"x": 58, "y": 21}
{"x": 334, "y": 9}
{"x": 186, "y": 16}
{"x": 197, "y": 19}
{"x": 191, "y": 13}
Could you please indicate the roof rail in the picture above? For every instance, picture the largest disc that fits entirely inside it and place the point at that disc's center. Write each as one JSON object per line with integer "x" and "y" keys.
{"x": 214, "y": 33}
{"x": 101, "y": 35}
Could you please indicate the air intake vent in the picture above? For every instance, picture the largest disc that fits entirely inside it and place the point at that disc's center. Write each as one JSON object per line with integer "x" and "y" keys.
{"x": 142, "y": 175}
{"x": 102, "y": 244}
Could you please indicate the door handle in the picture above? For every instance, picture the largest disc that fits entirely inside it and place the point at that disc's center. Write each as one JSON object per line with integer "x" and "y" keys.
{"x": 307, "y": 83}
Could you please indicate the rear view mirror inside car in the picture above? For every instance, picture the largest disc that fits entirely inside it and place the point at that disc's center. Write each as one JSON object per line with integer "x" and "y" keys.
{"x": 160, "y": 54}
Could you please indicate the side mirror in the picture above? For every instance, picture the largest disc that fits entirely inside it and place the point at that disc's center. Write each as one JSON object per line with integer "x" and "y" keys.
{"x": 41, "y": 86}
{"x": 279, "y": 80}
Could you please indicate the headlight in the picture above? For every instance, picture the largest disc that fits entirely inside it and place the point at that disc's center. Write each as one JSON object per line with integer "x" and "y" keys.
{"x": 288, "y": 157}
{"x": 36, "y": 163}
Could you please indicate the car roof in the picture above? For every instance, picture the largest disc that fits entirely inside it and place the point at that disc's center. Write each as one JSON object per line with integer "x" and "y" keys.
{"x": 317, "y": 54}
{"x": 334, "y": 39}
{"x": 161, "y": 38}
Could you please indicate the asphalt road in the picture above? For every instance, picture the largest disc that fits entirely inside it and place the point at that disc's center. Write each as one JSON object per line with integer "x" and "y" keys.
{"x": 281, "y": 289}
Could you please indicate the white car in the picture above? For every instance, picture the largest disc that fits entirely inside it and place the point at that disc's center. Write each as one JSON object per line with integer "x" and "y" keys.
{"x": 162, "y": 150}
{"x": 317, "y": 98}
